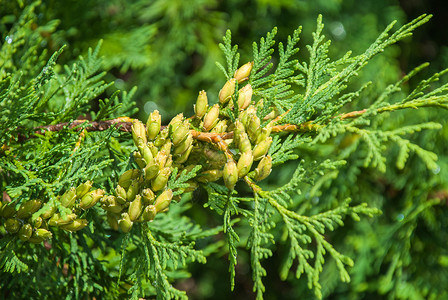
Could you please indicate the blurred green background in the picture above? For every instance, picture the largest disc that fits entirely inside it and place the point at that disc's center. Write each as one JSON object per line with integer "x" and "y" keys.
{"x": 168, "y": 48}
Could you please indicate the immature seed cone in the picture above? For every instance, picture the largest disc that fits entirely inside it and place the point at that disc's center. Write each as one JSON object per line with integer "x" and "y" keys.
{"x": 145, "y": 153}
{"x": 132, "y": 191}
{"x": 245, "y": 163}
{"x": 244, "y": 144}
{"x": 12, "y": 225}
{"x": 121, "y": 194}
{"x": 180, "y": 159}
{"x": 135, "y": 208}
{"x": 76, "y": 225}
{"x": 8, "y": 210}
{"x": 125, "y": 223}
{"x": 37, "y": 222}
{"x": 25, "y": 232}
{"x": 182, "y": 147}
{"x": 153, "y": 125}
{"x": 160, "y": 181}
{"x": 149, "y": 213}
{"x": 111, "y": 204}
{"x": 265, "y": 133}
{"x": 243, "y": 72}
{"x": 211, "y": 118}
{"x": 180, "y": 133}
{"x": 83, "y": 188}
{"x": 138, "y": 133}
{"x": 201, "y": 104}
{"x": 262, "y": 148}
{"x": 49, "y": 210}
{"x": 43, "y": 233}
{"x": 264, "y": 168}
{"x": 227, "y": 91}
{"x": 68, "y": 198}
{"x": 28, "y": 208}
{"x": 220, "y": 127}
{"x": 148, "y": 196}
{"x": 253, "y": 127}
{"x": 91, "y": 198}
{"x": 139, "y": 159}
{"x": 151, "y": 170}
{"x": 128, "y": 177}
{"x": 230, "y": 174}
{"x": 245, "y": 97}
{"x": 58, "y": 220}
{"x": 163, "y": 201}
{"x": 210, "y": 175}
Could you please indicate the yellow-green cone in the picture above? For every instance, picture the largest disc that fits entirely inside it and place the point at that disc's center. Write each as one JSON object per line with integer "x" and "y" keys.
{"x": 149, "y": 213}
{"x": 182, "y": 147}
{"x": 201, "y": 105}
{"x": 148, "y": 196}
{"x": 180, "y": 159}
{"x": 243, "y": 72}
{"x": 138, "y": 133}
{"x": 121, "y": 194}
{"x": 127, "y": 178}
{"x": 245, "y": 97}
{"x": 12, "y": 225}
{"x": 264, "y": 168}
{"x": 245, "y": 163}
{"x": 25, "y": 232}
{"x": 180, "y": 133}
{"x": 110, "y": 204}
{"x": 227, "y": 91}
{"x": 49, "y": 210}
{"x": 135, "y": 208}
{"x": 68, "y": 198}
{"x": 83, "y": 188}
{"x": 58, "y": 220}
{"x": 230, "y": 174}
{"x": 28, "y": 208}
{"x": 262, "y": 148}
{"x": 253, "y": 127}
{"x": 211, "y": 118}
{"x": 153, "y": 125}
{"x": 163, "y": 201}
{"x": 91, "y": 198}
{"x": 76, "y": 225}
{"x": 125, "y": 223}
{"x": 132, "y": 191}
{"x": 160, "y": 181}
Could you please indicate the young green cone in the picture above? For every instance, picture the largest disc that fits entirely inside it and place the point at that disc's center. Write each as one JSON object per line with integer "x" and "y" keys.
{"x": 227, "y": 91}
{"x": 148, "y": 196}
{"x": 91, "y": 198}
{"x": 153, "y": 125}
{"x": 245, "y": 163}
{"x": 163, "y": 201}
{"x": 160, "y": 181}
{"x": 262, "y": 148}
{"x": 230, "y": 174}
{"x": 25, "y": 232}
{"x": 12, "y": 225}
{"x": 125, "y": 223}
{"x": 149, "y": 213}
{"x": 83, "y": 188}
{"x": 28, "y": 208}
{"x": 201, "y": 104}
{"x": 243, "y": 72}
{"x": 245, "y": 97}
{"x": 135, "y": 208}
{"x": 264, "y": 168}
{"x": 111, "y": 204}
{"x": 211, "y": 118}
{"x": 68, "y": 198}
{"x": 77, "y": 224}
{"x": 128, "y": 177}
{"x": 138, "y": 133}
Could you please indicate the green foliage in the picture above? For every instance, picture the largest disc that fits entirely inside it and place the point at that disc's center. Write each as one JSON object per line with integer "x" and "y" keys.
{"x": 332, "y": 133}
